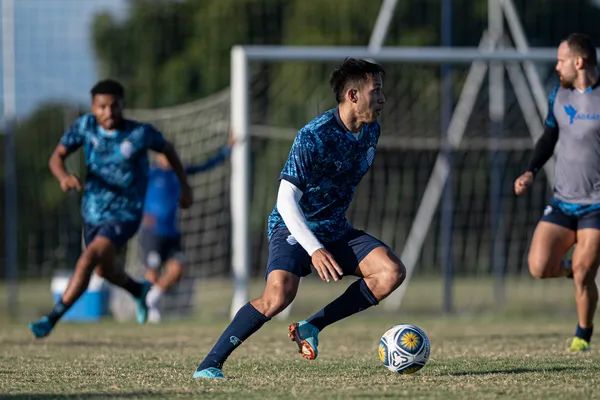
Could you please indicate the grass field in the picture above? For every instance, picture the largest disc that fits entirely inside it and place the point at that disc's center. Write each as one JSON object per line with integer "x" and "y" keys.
{"x": 509, "y": 353}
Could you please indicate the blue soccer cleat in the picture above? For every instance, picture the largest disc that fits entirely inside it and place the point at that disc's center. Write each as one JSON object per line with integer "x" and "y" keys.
{"x": 208, "y": 373}
{"x": 306, "y": 337}
{"x": 140, "y": 302}
{"x": 41, "y": 328}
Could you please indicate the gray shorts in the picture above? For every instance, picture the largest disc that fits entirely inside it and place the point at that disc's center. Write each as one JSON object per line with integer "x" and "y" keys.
{"x": 155, "y": 250}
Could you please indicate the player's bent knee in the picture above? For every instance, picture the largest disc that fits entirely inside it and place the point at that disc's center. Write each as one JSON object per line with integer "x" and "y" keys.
{"x": 583, "y": 275}
{"x": 271, "y": 304}
{"x": 538, "y": 268}
{"x": 88, "y": 260}
{"x": 175, "y": 269}
{"x": 392, "y": 274}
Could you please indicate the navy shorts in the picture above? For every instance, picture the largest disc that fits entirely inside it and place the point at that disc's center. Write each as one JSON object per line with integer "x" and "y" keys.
{"x": 117, "y": 232}
{"x": 156, "y": 249}
{"x": 285, "y": 253}
{"x": 555, "y": 215}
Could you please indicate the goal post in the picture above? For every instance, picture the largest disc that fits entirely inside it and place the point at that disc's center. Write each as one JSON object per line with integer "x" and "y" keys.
{"x": 241, "y": 59}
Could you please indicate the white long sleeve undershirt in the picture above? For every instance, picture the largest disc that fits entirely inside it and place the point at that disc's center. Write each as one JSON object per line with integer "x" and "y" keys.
{"x": 288, "y": 198}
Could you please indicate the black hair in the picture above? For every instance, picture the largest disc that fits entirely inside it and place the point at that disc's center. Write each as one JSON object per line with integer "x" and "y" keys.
{"x": 108, "y": 86}
{"x": 352, "y": 70}
{"x": 583, "y": 45}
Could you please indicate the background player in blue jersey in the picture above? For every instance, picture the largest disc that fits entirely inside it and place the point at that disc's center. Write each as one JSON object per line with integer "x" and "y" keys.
{"x": 308, "y": 225}
{"x": 573, "y": 216}
{"x": 159, "y": 237}
{"x": 116, "y": 156}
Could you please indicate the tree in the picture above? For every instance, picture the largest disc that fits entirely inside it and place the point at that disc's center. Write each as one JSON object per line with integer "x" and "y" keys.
{"x": 169, "y": 52}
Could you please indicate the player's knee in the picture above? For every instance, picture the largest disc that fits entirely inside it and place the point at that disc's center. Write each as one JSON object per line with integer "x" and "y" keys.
{"x": 584, "y": 274}
{"x": 176, "y": 271}
{"x": 273, "y": 302}
{"x": 88, "y": 260}
{"x": 537, "y": 268}
{"x": 392, "y": 274}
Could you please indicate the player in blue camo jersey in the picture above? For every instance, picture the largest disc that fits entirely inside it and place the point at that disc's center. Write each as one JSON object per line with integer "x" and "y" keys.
{"x": 159, "y": 237}
{"x": 308, "y": 225}
{"x": 117, "y": 173}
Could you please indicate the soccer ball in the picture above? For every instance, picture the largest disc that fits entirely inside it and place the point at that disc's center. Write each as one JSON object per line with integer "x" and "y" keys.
{"x": 404, "y": 349}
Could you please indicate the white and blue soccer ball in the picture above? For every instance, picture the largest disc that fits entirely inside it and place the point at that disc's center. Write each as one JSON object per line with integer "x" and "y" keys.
{"x": 404, "y": 349}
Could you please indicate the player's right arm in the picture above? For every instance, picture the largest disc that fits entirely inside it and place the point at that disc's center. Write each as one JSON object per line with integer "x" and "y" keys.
{"x": 543, "y": 150}
{"x": 294, "y": 178}
{"x": 71, "y": 141}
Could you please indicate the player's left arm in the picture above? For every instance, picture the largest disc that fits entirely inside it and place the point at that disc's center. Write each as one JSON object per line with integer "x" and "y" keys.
{"x": 156, "y": 141}
{"x": 302, "y": 162}
{"x": 211, "y": 163}
{"x": 544, "y": 147}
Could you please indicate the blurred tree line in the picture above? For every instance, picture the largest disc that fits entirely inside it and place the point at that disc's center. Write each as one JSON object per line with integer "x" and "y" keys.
{"x": 168, "y": 52}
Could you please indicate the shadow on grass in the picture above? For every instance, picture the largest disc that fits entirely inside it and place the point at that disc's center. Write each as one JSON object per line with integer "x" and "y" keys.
{"x": 513, "y": 371}
{"x": 113, "y": 395}
{"x": 122, "y": 345}
{"x": 509, "y": 336}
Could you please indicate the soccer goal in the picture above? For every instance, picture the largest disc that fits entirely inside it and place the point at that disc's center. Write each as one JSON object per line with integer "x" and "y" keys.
{"x": 498, "y": 99}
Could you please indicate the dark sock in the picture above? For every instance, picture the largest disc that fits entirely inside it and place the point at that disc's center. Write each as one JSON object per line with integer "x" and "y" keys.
{"x": 568, "y": 265}
{"x": 57, "y": 312}
{"x": 584, "y": 333}
{"x": 133, "y": 287}
{"x": 356, "y": 298}
{"x": 247, "y": 321}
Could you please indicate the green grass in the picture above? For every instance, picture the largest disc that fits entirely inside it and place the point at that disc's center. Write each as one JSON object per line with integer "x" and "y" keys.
{"x": 509, "y": 353}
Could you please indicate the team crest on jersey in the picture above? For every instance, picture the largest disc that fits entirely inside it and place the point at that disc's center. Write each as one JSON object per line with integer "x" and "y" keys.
{"x": 126, "y": 148}
{"x": 94, "y": 141}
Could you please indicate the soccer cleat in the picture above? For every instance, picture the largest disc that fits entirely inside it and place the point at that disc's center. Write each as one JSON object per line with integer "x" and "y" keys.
{"x": 140, "y": 302}
{"x": 209, "y": 373}
{"x": 41, "y": 328}
{"x": 306, "y": 337}
{"x": 576, "y": 345}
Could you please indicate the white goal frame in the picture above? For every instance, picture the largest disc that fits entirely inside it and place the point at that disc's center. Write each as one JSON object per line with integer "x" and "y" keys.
{"x": 480, "y": 58}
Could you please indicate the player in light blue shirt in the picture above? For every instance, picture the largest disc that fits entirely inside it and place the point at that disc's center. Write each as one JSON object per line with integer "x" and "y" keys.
{"x": 308, "y": 225}
{"x": 159, "y": 237}
{"x": 116, "y": 156}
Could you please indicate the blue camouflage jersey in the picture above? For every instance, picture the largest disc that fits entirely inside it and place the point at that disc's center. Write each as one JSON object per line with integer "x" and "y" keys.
{"x": 162, "y": 196}
{"x": 117, "y": 167}
{"x": 326, "y": 163}
{"x": 162, "y": 201}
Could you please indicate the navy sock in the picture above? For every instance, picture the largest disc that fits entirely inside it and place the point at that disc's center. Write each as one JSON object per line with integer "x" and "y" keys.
{"x": 356, "y": 298}
{"x": 247, "y": 321}
{"x": 133, "y": 287}
{"x": 584, "y": 333}
{"x": 57, "y": 312}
